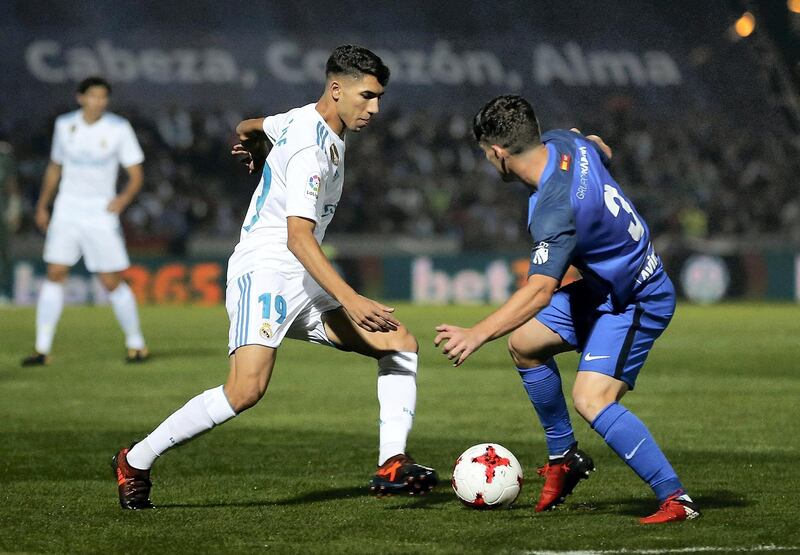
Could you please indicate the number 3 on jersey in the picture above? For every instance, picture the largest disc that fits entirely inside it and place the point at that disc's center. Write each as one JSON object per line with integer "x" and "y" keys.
{"x": 266, "y": 307}
{"x": 612, "y": 197}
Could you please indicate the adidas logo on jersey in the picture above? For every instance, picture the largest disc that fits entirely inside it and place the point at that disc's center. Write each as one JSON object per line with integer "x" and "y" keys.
{"x": 541, "y": 253}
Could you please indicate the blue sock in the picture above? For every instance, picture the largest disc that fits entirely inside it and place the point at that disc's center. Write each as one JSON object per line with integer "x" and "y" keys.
{"x": 543, "y": 384}
{"x": 631, "y": 440}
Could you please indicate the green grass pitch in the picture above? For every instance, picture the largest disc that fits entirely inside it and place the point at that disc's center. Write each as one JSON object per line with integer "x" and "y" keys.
{"x": 720, "y": 391}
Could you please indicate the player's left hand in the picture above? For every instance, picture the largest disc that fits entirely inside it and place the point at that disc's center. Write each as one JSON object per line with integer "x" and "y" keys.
{"x": 117, "y": 205}
{"x": 370, "y": 315}
{"x": 459, "y": 343}
{"x": 246, "y": 158}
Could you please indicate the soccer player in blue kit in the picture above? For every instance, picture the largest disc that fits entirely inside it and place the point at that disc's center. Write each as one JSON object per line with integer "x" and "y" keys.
{"x": 577, "y": 215}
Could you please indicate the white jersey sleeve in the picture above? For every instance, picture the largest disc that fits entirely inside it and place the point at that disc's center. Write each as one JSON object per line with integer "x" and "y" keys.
{"x": 130, "y": 153}
{"x": 57, "y": 148}
{"x": 303, "y": 182}
{"x": 272, "y": 126}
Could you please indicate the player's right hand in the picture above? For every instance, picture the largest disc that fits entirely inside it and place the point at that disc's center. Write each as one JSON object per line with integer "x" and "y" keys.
{"x": 458, "y": 343}
{"x": 253, "y": 165}
{"x": 371, "y": 315}
{"x": 42, "y": 219}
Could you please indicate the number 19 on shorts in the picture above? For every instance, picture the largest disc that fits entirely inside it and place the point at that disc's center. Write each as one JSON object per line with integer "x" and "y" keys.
{"x": 266, "y": 307}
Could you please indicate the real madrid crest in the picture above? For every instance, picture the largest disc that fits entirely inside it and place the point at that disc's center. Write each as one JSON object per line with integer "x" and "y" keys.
{"x": 334, "y": 155}
{"x": 266, "y": 330}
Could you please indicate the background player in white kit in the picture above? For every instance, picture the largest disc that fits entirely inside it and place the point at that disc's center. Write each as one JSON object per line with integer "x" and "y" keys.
{"x": 280, "y": 284}
{"x": 88, "y": 147}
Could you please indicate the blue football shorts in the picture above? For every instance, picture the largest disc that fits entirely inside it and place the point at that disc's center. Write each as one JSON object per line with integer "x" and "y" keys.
{"x": 612, "y": 341}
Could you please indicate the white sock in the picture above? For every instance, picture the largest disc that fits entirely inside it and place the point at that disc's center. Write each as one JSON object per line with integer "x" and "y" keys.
{"x": 48, "y": 312}
{"x": 210, "y": 408}
{"x": 554, "y": 457}
{"x": 397, "y": 395}
{"x": 124, "y": 304}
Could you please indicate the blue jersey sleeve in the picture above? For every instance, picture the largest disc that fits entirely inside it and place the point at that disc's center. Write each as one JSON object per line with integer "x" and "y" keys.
{"x": 553, "y": 228}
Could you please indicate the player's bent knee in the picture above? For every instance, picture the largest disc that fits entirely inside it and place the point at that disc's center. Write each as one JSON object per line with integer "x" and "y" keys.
{"x": 245, "y": 387}
{"x": 523, "y": 358}
{"x": 399, "y": 341}
{"x": 110, "y": 281}
{"x": 58, "y": 274}
{"x": 594, "y": 391}
{"x": 584, "y": 406}
{"x": 244, "y": 396}
{"x": 404, "y": 341}
{"x": 251, "y": 369}
{"x": 589, "y": 404}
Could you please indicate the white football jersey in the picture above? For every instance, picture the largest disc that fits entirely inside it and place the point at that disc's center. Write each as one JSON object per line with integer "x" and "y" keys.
{"x": 303, "y": 176}
{"x": 90, "y": 156}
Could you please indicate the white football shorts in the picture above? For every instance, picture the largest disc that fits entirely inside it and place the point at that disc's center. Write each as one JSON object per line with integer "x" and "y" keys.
{"x": 265, "y": 306}
{"x": 100, "y": 243}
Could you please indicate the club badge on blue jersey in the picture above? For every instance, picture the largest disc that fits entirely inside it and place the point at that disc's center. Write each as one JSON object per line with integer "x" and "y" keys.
{"x": 541, "y": 253}
{"x": 566, "y": 160}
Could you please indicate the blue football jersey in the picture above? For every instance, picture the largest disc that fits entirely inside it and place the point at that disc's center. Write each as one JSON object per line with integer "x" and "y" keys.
{"x": 579, "y": 215}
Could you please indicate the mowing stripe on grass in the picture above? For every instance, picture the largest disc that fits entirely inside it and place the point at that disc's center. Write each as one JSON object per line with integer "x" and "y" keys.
{"x": 708, "y": 549}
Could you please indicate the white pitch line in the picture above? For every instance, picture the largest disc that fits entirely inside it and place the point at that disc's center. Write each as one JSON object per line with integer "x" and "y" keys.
{"x": 703, "y": 549}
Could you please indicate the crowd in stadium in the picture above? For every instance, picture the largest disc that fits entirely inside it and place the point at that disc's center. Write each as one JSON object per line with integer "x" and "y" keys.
{"x": 419, "y": 173}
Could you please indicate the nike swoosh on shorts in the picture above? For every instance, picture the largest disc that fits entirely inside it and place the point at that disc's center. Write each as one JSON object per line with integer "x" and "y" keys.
{"x": 590, "y": 358}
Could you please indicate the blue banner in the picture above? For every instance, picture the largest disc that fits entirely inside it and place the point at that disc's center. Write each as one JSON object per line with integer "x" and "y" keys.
{"x": 268, "y": 56}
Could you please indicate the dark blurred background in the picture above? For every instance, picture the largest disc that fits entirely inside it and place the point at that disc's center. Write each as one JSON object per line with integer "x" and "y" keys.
{"x": 698, "y": 100}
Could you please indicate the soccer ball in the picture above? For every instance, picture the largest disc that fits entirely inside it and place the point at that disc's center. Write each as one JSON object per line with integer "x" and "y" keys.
{"x": 487, "y": 476}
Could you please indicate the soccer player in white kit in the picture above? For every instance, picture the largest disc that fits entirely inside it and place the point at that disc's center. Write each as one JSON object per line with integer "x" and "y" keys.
{"x": 281, "y": 284}
{"x": 88, "y": 147}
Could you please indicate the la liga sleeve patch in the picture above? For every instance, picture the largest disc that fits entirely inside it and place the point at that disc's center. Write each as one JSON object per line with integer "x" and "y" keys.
{"x": 312, "y": 186}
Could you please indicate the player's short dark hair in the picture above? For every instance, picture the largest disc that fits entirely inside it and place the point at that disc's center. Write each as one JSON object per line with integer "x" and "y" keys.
{"x": 349, "y": 59}
{"x": 508, "y": 121}
{"x": 93, "y": 81}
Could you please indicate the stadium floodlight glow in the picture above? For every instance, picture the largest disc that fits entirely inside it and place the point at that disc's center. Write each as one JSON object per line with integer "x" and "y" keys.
{"x": 745, "y": 25}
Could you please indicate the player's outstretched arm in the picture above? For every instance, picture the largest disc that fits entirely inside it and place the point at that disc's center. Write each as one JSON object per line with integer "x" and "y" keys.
{"x": 366, "y": 313}
{"x": 524, "y": 304}
{"x": 254, "y": 144}
{"x": 52, "y": 175}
